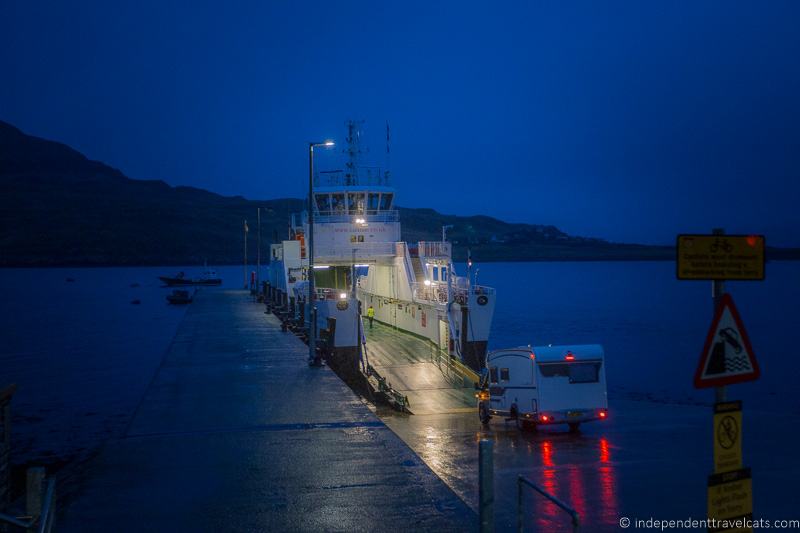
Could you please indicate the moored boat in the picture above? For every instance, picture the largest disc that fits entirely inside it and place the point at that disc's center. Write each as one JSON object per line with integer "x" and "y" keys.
{"x": 180, "y": 296}
{"x": 209, "y": 277}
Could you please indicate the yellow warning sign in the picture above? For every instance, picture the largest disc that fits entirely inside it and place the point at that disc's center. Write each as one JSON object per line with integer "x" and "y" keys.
{"x": 730, "y": 501}
{"x": 727, "y": 436}
{"x": 736, "y": 257}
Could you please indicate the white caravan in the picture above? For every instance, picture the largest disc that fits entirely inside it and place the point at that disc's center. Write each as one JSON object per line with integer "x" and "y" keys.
{"x": 545, "y": 385}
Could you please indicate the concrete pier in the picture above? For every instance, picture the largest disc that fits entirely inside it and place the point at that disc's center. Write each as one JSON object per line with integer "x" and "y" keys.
{"x": 237, "y": 433}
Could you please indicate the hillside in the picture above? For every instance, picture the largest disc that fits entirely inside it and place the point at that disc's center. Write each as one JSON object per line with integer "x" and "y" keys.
{"x": 59, "y": 208}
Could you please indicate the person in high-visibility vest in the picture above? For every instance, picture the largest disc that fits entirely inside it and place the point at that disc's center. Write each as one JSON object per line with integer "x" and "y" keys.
{"x": 371, "y": 315}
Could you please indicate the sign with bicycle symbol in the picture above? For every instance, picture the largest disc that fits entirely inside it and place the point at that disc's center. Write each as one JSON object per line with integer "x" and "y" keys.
{"x": 720, "y": 257}
{"x": 727, "y": 436}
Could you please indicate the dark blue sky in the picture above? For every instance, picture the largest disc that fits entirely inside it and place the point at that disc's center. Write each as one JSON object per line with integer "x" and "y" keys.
{"x": 631, "y": 121}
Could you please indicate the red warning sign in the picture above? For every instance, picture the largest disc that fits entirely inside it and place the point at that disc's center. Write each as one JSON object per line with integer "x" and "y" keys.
{"x": 727, "y": 356}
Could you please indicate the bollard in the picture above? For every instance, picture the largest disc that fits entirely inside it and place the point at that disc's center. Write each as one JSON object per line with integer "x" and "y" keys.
{"x": 486, "y": 485}
{"x": 34, "y": 492}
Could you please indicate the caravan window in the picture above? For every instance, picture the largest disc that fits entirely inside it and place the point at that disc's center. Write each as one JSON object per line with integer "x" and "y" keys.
{"x": 504, "y": 374}
{"x": 576, "y": 372}
{"x": 493, "y": 374}
{"x": 584, "y": 372}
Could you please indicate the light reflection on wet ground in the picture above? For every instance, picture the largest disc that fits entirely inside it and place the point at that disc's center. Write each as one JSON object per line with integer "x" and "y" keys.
{"x": 649, "y": 460}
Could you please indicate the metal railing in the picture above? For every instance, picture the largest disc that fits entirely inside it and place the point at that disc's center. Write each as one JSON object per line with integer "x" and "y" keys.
{"x": 39, "y": 520}
{"x": 434, "y": 249}
{"x": 522, "y": 481}
{"x": 452, "y": 369}
{"x": 461, "y": 294}
{"x": 364, "y": 176}
{"x": 357, "y": 250}
{"x": 342, "y": 215}
{"x": 433, "y": 293}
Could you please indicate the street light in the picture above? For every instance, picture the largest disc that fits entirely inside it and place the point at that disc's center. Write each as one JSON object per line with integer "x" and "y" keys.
{"x": 312, "y": 330}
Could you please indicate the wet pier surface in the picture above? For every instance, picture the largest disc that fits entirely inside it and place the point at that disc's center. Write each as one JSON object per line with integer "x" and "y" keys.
{"x": 406, "y": 362}
{"x": 237, "y": 433}
{"x": 649, "y": 460}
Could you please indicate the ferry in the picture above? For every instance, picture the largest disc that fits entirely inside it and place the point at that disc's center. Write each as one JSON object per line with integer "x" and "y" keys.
{"x": 361, "y": 262}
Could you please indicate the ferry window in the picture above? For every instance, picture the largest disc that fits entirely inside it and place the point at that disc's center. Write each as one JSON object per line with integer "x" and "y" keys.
{"x": 372, "y": 205}
{"x": 584, "y": 372}
{"x": 386, "y": 201}
{"x": 338, "y": 203}
{"x": 435, "y": 272}
{"x": 504, "y": 374}
{"x": 355, "y": 203}
{"x": 493, "y": 374}
{"x": 323, "y": 203}
{"x": 444, "y": 274}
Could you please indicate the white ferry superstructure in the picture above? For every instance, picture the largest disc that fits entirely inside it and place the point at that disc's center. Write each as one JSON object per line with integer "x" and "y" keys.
{"x": 361, "y": 261}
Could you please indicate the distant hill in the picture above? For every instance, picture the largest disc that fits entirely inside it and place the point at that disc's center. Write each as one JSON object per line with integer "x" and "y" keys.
{"x": 59, "y": 208}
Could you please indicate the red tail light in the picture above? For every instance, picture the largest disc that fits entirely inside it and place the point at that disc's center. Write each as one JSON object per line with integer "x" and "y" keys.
{"x": 603, "y": 414}
{"x": 544, "y": 418}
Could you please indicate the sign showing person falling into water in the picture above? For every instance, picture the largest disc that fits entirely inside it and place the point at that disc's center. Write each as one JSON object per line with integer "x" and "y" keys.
{"x": 727, "y": 356}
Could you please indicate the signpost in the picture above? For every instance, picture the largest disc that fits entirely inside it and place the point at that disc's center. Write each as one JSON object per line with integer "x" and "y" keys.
{"x": 720, "y": 257}
{"x": 727, "y": 358}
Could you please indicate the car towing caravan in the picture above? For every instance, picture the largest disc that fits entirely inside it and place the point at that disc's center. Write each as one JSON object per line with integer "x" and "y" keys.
{"x": 544, "y": 385}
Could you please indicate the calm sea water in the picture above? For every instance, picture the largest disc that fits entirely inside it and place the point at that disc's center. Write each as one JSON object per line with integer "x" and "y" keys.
{"x": 651, "y": 325}
{"x": 82, "y": 354}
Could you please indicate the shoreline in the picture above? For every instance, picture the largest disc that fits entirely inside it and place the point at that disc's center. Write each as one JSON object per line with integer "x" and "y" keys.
{"x": 67, "y": 264}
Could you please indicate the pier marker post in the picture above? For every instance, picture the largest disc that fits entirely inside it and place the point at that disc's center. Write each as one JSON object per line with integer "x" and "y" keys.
{"x": 486, "y": 485}
{"x": 717, "y": 290}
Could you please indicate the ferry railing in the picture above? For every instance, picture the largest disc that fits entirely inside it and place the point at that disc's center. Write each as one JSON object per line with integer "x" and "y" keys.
{"x": 365, "y": 176}
{"x": 452, "y": 369}
{"x": 522, "y": 482}
{"x": 342, "y": 216}
{"x": 435, "y": 249}
{"x": 434, "y": 292}
{"x": 354, "y": 250}
{"x": 461, "y": 294}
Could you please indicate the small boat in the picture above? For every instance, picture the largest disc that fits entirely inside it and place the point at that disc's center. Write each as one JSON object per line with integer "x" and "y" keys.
{"x": 209, "y": 277}
{"x": 179, "y": 297}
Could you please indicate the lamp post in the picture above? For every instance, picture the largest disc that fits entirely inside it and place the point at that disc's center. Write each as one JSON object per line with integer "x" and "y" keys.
{"x": 312, "y": 308}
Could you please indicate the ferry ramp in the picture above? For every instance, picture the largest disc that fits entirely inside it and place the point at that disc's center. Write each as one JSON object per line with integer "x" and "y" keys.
{"x": 412, "y": 367}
